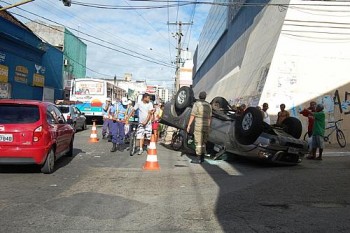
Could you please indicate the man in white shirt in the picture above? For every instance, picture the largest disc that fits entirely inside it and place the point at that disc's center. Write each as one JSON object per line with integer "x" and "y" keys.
{"x": 266, "y": 117}
{"x": 144, "y": 127}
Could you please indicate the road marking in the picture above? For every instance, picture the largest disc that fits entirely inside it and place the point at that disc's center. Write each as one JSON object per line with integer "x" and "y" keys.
{"x": 336, "y": 153}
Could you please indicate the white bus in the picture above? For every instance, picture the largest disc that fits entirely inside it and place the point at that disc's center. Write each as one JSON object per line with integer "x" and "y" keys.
{"x": 90, "y": 94}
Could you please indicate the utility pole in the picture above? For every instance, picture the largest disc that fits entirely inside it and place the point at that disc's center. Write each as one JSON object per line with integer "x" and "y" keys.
{"x": 179, "y": 36}
{"x": 16, "y": 4}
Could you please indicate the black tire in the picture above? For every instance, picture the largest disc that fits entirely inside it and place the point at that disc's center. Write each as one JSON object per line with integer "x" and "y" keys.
{"x": 177, "y": 141}
{"x": 292, "y": 126}
{"x": 132, "y": 144}
{"x": 184, "y": 98}
{"x": 71, "y": 147}
{"x": 341, "y": 138}
{"x": 49, "y": 165}
{"x": 219, "y": 104}
{"x": 249, "y": 126}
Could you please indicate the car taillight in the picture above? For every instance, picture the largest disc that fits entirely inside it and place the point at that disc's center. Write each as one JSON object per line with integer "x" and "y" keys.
{"x": 38, "y": 133}
{"x": 68, "y": 117}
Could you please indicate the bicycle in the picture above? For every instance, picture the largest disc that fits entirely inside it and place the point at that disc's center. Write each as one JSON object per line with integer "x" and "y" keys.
{"x": 133, "y": 140}
{"x": 338, "y": 133}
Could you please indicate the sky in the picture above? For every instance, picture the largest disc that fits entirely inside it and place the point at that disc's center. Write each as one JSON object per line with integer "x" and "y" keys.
{"x": 139, "y": 32}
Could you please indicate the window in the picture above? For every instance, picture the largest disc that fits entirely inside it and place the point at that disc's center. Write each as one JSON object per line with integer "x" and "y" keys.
{"x": 19, "y": 113}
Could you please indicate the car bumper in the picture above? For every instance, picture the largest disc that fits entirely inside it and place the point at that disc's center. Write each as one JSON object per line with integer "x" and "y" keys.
{"x": 23, "y": 155}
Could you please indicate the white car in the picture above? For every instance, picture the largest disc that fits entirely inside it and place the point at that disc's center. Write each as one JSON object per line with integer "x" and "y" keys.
{"x": 73, "y": 116}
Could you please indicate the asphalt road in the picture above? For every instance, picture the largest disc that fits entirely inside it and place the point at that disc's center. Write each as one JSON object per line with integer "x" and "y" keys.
{"x": 100, "y": 191}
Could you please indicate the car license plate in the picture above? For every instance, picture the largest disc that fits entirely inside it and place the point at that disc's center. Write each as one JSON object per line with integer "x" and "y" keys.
{"x": 6, "y": 137}
{"x": 292, "y": 150}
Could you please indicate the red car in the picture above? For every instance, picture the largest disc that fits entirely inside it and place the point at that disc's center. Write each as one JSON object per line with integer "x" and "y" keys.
{"x": 33, "y": 132}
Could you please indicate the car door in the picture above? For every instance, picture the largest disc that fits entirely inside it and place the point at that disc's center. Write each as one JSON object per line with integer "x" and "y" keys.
{"x": 66, "y": 131}
{"x": 78, "y": 115}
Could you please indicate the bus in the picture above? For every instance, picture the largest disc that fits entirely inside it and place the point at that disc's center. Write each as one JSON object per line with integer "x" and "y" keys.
{"x": 90, "y": 94}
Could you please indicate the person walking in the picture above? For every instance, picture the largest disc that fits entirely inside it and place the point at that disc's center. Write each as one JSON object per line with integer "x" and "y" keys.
{"x": 144, "y": 127}
{"x": 155, "y": 120}
{"x": 201, "y": 114}
{"x": 118, "y": 124}
{"x": 106, "y": 120}
{"x": 282, "y": 115}
{"x": 318, "y": 131}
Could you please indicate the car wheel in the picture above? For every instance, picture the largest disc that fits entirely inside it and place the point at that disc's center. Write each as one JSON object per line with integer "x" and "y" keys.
{"x": 292, "y": 126}
{"x": 249, "y": 126}
{"x": 71, "y": 147}
{"x": 184, "y": 98}
{"x": 219, "y": 103}
{"x": 49, "y": 165}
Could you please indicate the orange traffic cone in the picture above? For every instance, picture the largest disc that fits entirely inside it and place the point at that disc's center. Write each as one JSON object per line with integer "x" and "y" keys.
{"x": 151, "y": 161}
{"x": 93, "y": 135}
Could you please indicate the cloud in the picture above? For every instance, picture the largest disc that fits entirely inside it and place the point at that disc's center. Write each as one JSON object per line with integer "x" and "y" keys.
{"x": 142, "y": 32}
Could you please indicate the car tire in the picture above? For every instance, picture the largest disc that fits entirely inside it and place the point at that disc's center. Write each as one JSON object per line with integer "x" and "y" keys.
{"x": 292, "y": 126}
{"x": 219, "y": 104}
{"x": 249, "y": 126}
{"x": 49, "y": 165}
{"x": 71, "y": 148}
{"x": 184, "y": 98}
{"x": 177, "y": 141}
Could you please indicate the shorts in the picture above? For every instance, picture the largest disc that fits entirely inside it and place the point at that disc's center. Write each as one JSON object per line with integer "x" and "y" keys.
{"x": 317, "y": 142}
{"x": 144, "y": 130}
{"x": 155, "y": 125}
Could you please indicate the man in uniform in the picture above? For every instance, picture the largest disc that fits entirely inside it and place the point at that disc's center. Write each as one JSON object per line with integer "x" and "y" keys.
{"x": 201, "y": 113}
{"x": 106, "y": 120}
{"x": 118, "y": 124}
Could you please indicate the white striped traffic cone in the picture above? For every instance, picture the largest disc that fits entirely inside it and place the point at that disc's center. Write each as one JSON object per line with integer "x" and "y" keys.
{"x": 93, "y": 135}
{"x": 151, "y": 161}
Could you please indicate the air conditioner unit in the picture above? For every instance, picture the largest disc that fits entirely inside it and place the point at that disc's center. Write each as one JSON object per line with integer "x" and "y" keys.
{"x": 65, "y": 62}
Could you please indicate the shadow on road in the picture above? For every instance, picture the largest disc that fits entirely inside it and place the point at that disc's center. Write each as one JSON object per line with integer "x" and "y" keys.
{"x": 60, "y": 163}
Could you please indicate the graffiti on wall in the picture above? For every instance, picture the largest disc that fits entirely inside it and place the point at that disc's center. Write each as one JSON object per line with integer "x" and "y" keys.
{"x": 343, "y": 104}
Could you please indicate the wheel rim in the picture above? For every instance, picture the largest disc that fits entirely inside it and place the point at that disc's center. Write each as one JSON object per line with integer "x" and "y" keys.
{"x": 181, "y": 97}
{"x": 247, "y": 121}
{"x": 51, "y": 160}
{"x": 341, "y": 139}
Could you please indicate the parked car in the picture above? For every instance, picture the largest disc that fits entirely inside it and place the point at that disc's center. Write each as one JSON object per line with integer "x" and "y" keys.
{"x": 33, "y": 132}
{"x": 241, "y": 134}
{"x": 73, "y": 116}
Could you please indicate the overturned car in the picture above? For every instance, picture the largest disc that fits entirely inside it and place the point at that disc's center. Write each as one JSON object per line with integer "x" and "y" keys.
{"x": 243, "y": 134}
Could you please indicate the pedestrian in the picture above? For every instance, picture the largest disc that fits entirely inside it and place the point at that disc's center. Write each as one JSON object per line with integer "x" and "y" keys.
{"x": 117, "y": 129}
{"x": 144, "y": 127}
{"x": 306, "y": 113}
{"x": 266, "y": 117}
{"x": 161, "y": 126}
{"x": 318, "y": 131}
{"x": 201, "y": 114}
{"x": 110, "y": 112}
{"x": 106, "y": 120}
{"x": 241, "y": 109}
{"x": 282, "y": 115}
{"x": 155, "y": 120}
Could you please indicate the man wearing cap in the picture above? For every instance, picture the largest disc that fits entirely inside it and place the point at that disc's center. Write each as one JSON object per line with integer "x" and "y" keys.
{"x": 118, "y": 124}
{"x": 106, "y": 120}
{"x": 201, "y": 113}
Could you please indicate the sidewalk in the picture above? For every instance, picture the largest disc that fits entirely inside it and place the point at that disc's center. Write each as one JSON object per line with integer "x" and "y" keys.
{"x": 334, "y": 149}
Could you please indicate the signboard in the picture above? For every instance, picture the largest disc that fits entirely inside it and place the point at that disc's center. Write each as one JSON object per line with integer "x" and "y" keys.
{"x": 151, "y": 90}
{"x": 5, "y": 90}
{"x": 4, "y": 74}
{"x": 88, "y": 88}
{"x": 21, "y": 74}
{"x": 38, "y": 80}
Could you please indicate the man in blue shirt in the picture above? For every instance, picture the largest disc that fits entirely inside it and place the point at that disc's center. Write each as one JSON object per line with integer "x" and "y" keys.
{"x": 118, "y": 124}
{"x": 106, "y": 120}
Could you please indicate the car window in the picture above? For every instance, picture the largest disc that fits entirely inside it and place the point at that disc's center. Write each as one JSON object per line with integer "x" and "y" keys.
{"x": 63, "y": 109}
{"x": 19, "y": 113}
{"x": 50, "y": 118}
{"x": 59, "y": 115}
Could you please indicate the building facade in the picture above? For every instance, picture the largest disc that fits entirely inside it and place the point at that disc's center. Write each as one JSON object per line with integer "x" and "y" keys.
{"x": 278, "y": 51}
{"x": 74, "y": 50}
{"x": 29, "y": 68}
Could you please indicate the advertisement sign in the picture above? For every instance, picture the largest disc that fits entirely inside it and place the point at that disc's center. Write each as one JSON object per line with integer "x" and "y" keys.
{"x": 21, "y": 74}
{"x": 38, "y": 80}
{"x": 151, "y": 90}
{"x": 5, "y": 90}
{"x": 4, "y": 74}
{"x": 88, "y": 88}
